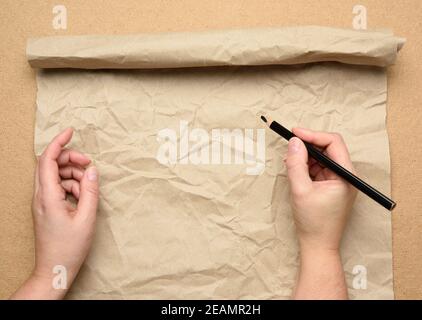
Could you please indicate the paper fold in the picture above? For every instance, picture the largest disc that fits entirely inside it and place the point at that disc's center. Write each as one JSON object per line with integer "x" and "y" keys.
{"x": 265, "y": 46}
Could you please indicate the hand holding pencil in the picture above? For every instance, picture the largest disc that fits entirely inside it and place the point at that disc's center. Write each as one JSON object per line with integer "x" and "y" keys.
{"x": 334, "y": 166}
{"x": 320, "y": 199}
{"x": 321, "y": 202}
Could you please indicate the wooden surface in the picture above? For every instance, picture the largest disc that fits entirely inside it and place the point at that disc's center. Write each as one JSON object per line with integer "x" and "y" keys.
{"x": 23, "y": 19}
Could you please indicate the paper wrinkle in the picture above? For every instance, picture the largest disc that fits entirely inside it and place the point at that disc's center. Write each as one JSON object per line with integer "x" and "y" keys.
{"x": 212, "y": 231}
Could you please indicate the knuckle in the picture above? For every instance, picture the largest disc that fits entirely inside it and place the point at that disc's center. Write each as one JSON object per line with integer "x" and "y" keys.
{"x": 337, "y": 137}
{"x": 299, "y": 194}
{"x": 73, "y": 172}
{"x": 40, "y": 202}
{"x": 40, "y": 197}
{"x": 43, "y": 202}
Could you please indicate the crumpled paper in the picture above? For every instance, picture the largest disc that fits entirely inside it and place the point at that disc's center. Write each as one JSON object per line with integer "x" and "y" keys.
{"x": 179, "y": 219}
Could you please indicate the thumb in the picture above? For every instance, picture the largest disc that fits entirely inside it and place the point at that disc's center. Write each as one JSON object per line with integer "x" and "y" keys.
{"x": 297, "y": 166}
{"x": 88, "y": 198}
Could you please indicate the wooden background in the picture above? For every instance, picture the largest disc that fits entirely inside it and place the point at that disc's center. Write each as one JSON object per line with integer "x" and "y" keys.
{"x": 20, "y": 20}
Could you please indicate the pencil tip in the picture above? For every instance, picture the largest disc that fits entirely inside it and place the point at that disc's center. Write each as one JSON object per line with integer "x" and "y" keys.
{"x": 264, "y": 119}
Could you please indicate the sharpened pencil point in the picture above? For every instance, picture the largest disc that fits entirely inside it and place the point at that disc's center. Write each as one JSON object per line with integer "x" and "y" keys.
{"x": 264, "y": 119}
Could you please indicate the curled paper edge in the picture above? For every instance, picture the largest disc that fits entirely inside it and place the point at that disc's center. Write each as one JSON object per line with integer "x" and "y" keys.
{"x": 242, "y": 47}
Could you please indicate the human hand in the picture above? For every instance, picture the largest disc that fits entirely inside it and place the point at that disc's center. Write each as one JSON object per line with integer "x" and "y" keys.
{"x": 320, "y": 199}
{"x": 63, "y": 232}
{"x": 321, "y": 202}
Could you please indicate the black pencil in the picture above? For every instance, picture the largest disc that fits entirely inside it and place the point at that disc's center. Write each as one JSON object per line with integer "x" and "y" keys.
{"x": 335, "y": 167}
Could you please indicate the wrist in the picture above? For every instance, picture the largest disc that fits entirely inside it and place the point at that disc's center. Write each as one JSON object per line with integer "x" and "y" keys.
{"x": 319, "y": 261}
{"x": 39, "y": 287}
{"x": 322, "y": 244}
{"x": 59, "y": 275}
{"x": 318, "y": 251}
{"x": 316, "y": 259}
{"x": 321, "y": 274}
{"x": 45, "y": 288}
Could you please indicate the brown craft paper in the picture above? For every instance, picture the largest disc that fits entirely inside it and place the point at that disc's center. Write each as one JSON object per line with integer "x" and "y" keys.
{"x": 200, "y": 225}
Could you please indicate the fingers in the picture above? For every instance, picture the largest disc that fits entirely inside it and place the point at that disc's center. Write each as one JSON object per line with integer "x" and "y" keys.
{"x": 71, "y": 186}
{"x": 48, "y": 168}
{"x": 71, "y": 178}
{"x": 68, "y": 156}
{"x": 333, "y": 144}
{"x": 297, "y": 167}
{"x": 60, "y": 170}
{"x": 88, "y": 197}
{"x": 54, "y": 149}
{"x": 71, "y": 172}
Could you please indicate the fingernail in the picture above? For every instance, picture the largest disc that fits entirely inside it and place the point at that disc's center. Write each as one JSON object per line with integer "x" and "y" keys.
{"x": 294, "y": 145}
{"x": 92, "y": 174}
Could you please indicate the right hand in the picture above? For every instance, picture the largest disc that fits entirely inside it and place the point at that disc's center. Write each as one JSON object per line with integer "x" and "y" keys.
{"x": 321, "y": 200}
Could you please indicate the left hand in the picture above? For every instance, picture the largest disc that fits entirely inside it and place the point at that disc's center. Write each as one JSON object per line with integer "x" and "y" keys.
{"x": 63, "y": 232}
